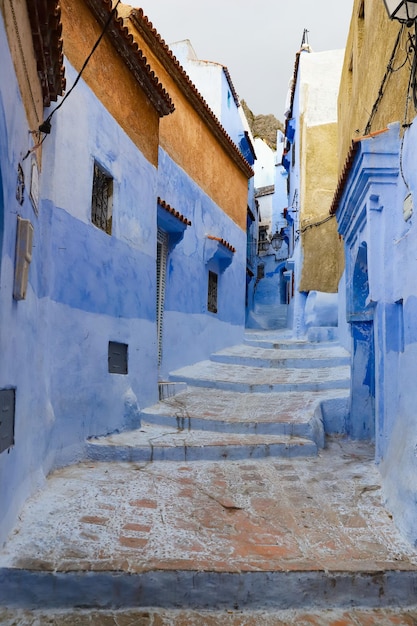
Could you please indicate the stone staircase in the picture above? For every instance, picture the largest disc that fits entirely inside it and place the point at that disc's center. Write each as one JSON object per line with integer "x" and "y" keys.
{"x": 269, "y": 397}
{"x": 252, "y": 521}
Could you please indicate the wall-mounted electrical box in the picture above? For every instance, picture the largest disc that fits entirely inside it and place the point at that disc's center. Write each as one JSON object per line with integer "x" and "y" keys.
{"x": 7, "y": 412}
{"x": 117, "y": 357}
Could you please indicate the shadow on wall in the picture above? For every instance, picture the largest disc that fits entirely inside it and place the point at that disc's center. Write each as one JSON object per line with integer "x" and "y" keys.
{"x": 321, "y": 309}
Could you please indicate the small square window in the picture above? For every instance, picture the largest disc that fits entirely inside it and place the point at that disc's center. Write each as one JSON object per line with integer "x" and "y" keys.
{"x": 102, "y": 200}
{"x": 212, "y": 292}
{"x": 117, "y": 357}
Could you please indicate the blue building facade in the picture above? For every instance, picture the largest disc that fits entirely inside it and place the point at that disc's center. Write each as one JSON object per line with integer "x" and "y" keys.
{"x": 375, "y": 217}
{"x": 90, "y": 324}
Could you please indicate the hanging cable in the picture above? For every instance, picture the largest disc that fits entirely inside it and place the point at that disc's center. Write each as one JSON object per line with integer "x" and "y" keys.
{"x": 323, "y": 221}
{"x": 384, "y": 82}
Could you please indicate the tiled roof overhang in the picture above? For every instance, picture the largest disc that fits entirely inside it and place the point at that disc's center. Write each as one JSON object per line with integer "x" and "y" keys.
{"x": 129, "y": 50}
{"x": 46, "y": 27}
{"x": 176, "y": 71}
{"x": 223, "y": 242}
{"x": 294, "y": 82}
{"x": 344, "y": 176}
{"x": 264, "y": 191}
{"x": 231, "y": 85}
{"x": 173, "y": 212}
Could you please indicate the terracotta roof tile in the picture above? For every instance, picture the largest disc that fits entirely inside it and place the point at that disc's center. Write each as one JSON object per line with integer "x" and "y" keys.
{"x": 223, "y": 242}
{"x": 128, "y": 49}
{"x": 173, "y": 212}
{"x": 46, "y": 27}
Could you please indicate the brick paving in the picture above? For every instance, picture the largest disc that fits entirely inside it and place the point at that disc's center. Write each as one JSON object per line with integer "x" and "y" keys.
{"x": 213, "y": 406}
{"x": 313, "y": 514}
{"x": 307, "y": 539}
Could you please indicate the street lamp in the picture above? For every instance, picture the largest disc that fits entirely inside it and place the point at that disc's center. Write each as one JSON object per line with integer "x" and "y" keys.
{"x": 276, "y": 240}
{"x": 404, "y": 11}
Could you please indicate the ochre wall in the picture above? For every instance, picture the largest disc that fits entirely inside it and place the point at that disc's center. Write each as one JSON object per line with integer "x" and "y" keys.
{"x": 369, "y": 47}
{"x": 191, "y": 144}
{"x": 185, "y": 136}
{"x": 322, "y": 249}
{"x": 21, "y": 47}
{"x": 109, "y": 78}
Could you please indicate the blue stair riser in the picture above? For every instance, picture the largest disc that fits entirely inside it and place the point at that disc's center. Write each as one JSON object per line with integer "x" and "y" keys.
{"x": 263, "y": 388}
{"x": 229, "y": 452}
{"x": 304, "y": 429}
{"x": 289, "y": 362}
{"x": 290, "y": 345}
{"x": 198, "y": 589}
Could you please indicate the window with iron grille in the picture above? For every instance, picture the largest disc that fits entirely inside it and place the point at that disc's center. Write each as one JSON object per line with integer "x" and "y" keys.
{"x": 212, "y": 292}
{"x": 102, "y": 199}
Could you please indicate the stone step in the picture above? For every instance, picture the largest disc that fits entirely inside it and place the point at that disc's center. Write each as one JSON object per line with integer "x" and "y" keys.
{"x": 242, "y": 378}
{"x": 332, "y": 356}
{"x": 299, "y": 533}
{"x": 196, "y": 589}
{"x": 302, "y": 414}
{"x": 156, "y": 443}
{"x": 280, "y": 342}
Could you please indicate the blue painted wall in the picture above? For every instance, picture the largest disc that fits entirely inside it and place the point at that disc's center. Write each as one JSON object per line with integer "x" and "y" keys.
{"x": 371, "y": 213}
{"x": 22, "y": 325}
{"x": 191, "y": 332}
{"x": 87, "y": 288}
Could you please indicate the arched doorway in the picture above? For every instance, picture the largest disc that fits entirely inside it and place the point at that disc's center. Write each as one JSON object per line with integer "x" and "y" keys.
{"x": 362, "y": 411}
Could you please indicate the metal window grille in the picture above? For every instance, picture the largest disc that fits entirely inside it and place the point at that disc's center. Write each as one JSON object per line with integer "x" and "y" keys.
{"x": 161, "y": 264}
{"x": 212, "y": 292}
{"x": 101, "y": 203}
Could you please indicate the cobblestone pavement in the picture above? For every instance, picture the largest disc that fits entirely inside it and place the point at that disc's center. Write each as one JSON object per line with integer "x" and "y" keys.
{"x": 152, "y": 617}
{"x": 235, "y": 536}
{"x": 323, "y": 513}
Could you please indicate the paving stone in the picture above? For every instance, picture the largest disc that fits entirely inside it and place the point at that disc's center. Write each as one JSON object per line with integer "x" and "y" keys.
{"x": 216, "y": 525}
{"x": 155, "y": 617}
{"x": 237, "y": 533}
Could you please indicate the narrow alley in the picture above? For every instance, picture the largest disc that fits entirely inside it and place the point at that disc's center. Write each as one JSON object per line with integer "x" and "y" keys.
{"x": 232, "y": 504}
{"x": 208, "y": 319}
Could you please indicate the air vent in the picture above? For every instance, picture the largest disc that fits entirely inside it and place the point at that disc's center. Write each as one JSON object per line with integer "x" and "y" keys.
{"x": 117, "y": 358}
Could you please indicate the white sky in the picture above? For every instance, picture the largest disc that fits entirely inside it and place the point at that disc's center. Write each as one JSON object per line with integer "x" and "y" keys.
{"x": 256, "y": 40}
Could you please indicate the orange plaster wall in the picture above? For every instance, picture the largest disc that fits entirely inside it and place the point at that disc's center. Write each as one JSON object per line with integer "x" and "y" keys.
{"x": 187, "y": 139}
{"x": 109, "y": 78}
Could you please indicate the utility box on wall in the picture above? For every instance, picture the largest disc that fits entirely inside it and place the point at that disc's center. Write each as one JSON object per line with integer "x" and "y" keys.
{"x": 7, "y": 412}
{"x": 24, "y": 240}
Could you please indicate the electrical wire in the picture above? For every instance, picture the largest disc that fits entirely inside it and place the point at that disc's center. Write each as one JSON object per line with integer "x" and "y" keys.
{"x": 323, "y": 221}
{"x": 384, "y": 82}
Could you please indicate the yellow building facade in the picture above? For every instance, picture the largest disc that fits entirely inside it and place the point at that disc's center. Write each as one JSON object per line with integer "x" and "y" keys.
{"x": 375, "y": 75}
